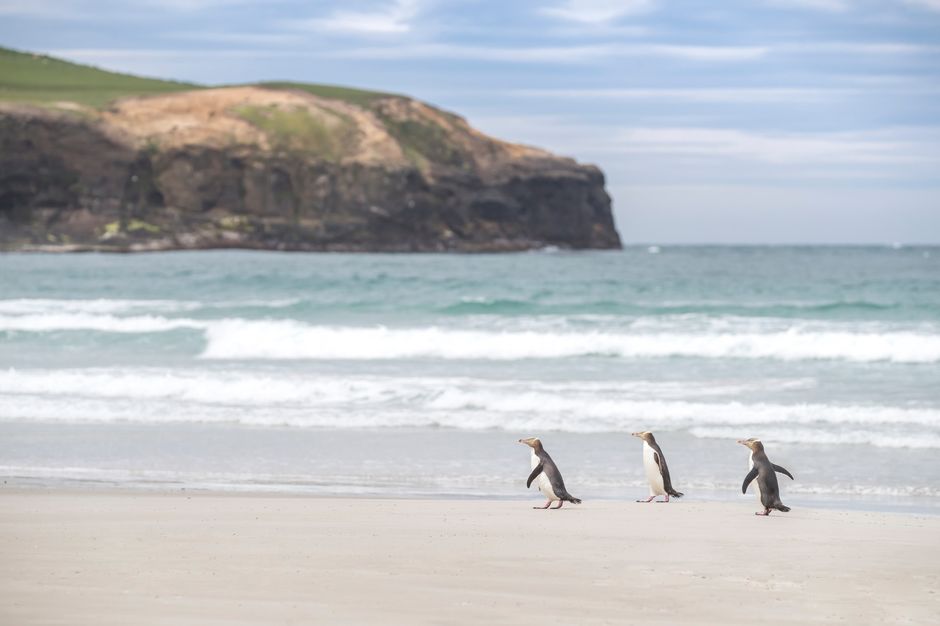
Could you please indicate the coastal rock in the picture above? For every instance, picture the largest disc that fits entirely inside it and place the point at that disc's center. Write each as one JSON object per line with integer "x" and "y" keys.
{"x": 276, "y": 168}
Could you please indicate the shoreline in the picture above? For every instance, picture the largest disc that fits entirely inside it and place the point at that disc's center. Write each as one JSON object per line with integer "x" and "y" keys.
{"x": 418, "y": 463}
{"x": 841, "y": 503}
{"x": 150, "y": 246}
{"x": 113, "y": 557}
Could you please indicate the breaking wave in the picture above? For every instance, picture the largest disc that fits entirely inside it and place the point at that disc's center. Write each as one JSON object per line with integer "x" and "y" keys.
{"x": 273, "y": 339}
{"x": 877, "y": 438}
{"x": 298, "y": 400}
{"x": 239, "y": 339}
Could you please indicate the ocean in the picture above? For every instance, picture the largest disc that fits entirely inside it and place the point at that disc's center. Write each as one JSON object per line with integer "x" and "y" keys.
{"x": 415, "y": 375}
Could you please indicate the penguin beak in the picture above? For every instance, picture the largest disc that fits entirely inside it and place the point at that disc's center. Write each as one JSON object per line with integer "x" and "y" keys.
{"x": 635, "y": 434}
{"x": 743, "y": 442}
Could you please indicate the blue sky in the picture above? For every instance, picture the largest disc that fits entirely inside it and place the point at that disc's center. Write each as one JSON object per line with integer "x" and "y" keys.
{"x": 715, "y": 121}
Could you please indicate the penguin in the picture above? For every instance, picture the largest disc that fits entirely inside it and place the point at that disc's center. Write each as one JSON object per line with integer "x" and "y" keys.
{"x": 549, "y": 478}
{"x": 766, "y": 474}
{"x": 657, "y": 472}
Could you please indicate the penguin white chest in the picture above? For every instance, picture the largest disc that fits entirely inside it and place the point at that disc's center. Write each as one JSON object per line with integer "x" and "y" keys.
{"x": 545, "y": 485}
{"x": 755, "y": 483}
{"x": 653, "y": 476}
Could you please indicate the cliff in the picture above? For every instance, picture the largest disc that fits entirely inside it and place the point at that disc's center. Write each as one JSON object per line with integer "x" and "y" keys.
{"x": 287, "y": 167}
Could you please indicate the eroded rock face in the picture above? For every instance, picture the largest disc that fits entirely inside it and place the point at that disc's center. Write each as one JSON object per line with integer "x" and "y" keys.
{"x": 271, "y": 169}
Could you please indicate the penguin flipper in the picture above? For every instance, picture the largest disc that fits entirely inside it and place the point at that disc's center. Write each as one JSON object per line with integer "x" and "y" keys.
{"x": 747, "y": 479}
{"x": 664, "y": 472}
{"x": 783, "y": 470}
{"x": 535, "y": 473}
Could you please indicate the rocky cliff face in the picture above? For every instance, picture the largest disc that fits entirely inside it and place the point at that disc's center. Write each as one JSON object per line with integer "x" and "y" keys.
{"x": 255, "y": 167}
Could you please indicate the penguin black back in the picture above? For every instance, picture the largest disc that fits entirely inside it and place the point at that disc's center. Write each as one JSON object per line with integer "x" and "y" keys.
{"x": 766, "y": 474}
{"x": 547, "y": 466}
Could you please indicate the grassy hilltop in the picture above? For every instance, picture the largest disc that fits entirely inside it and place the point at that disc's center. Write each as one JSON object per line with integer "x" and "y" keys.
{"x": 39, "y": 79}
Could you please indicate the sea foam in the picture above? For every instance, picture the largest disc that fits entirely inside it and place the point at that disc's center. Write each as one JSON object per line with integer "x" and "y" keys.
{"x": 53, "y": 322}
{"x": 242, "y": 339}
{"x": 50, "y": 306}
{"x": 554, "y": 337}
{"x": 464, "y": 403}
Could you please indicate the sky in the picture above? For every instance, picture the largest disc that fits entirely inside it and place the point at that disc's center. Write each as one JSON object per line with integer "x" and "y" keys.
{"x": 721, "y": 121}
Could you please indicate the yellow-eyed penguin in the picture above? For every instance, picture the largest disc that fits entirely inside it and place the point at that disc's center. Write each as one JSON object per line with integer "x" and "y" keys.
{"x": 549, "y": 478}
{"x": 766, "y": 474}
{"x": 657, "y": 472}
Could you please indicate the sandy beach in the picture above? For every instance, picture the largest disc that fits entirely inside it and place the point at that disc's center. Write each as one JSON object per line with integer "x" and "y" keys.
{"x": 115, "y": 557}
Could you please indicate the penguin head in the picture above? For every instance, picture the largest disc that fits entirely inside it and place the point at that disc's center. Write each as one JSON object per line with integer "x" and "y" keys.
{"x": 752, "y": 443}
{"x": 532, "y": 442}
{"x": 645, "y": 435}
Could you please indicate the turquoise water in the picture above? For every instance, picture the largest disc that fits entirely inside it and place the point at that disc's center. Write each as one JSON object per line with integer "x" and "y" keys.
{"x": 414, "y": 374}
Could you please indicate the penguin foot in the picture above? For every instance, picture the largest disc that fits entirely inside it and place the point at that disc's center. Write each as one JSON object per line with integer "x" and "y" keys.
{"x": 663, "y": 501}
{"x": 650, "y": 499}
{"x": 543, "y": 507}
{"x": 560, "y": 502}
{"x": 764, "y": 514}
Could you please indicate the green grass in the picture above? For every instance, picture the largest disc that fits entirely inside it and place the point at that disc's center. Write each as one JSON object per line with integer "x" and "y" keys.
{"x": 297, "y": 129}
{"x": 423, "y": 141}
{"x": 39, "y": 79}
{"x": 359, "y": 97}
{"x": 43, "y": 80}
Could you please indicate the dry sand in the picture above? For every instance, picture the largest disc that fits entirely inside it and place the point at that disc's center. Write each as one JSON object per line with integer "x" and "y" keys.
{"x": 142, "y": 558}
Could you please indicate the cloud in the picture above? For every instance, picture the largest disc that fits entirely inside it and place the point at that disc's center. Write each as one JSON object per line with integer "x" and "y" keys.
{"x": 236, "y": 38}
{"x": 930, "y": 5}
{"x": 680, "y": 154}
{"x": 848, "y": 87}
{"x": 554, "y": 54}
{"x": 43, "y": 9}
{"x": 71, "y": 10}
{"x": 887, "y": 48}
{"x": 597, "y": 11}
{"x": 842, "y": 6}
{"x": 189, "y": 6}
{"x": 697, "y": 53}
{"x": 551, "y": 55}
{"x": 105, "y": 56}
{"x": 394, "y": 18}
{"x": 828, "y": 6}
{"x": 769, "y": 95}
{"x": 775, "y": 147}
